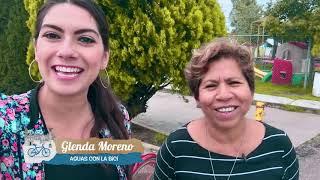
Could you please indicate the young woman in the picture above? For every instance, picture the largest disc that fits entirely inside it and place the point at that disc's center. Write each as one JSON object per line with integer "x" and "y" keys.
{"x": 71, "y": 48}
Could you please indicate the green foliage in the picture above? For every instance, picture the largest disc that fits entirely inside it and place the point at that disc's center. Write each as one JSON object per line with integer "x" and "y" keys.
{"x": 295, "y": 20}
{"x": 14, "y": 39}
{"x": 32, "y": 7}
{"x": 292, "y": 108}
{"x": 151, "y": 42}
{"x": 316, "y": 46}
{"x": 159, "y": 138}
{"x": 244, "y": 17}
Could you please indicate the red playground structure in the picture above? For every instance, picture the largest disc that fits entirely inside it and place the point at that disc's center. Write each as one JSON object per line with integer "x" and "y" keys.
{"x": 282, "y": 72}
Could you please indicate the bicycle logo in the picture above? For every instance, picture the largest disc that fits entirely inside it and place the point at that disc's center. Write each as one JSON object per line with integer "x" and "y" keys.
{"x": 35, "y": 150}
{"x": 38, "y": 147}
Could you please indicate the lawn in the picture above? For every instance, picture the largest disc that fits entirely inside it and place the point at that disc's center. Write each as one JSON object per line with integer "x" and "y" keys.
{"x": 289, "y": 91}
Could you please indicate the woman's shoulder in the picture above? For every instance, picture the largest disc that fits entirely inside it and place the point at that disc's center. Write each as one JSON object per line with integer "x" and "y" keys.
{"x": 180, "y": 134}
{"x": 12, "y": 107}
{"x": 276, "y": 136}
{"x": 9, "y": 101}
{"x": 272, "y": 131}
{"x": 179, "y": 140}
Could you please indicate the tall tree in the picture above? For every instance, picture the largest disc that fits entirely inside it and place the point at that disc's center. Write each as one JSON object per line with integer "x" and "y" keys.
{"x": 295, "y": 20}
{"x": 14, "y": 38}
{"x": 244, "y": 17}
{"x": 32, "y": 8}
{"x": 151, "y": 42}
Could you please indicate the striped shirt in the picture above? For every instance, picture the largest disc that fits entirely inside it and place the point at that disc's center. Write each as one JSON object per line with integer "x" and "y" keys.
{"x": 180, "y": 157}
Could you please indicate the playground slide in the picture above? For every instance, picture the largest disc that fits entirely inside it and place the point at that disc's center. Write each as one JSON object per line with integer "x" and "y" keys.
{"x": 265, "y": 76}
{"x": 259, "y": 73}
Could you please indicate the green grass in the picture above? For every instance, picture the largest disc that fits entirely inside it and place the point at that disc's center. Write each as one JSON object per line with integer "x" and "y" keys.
{"x": 159, "y": 138}
{"x": 289, "y": 91}
{"x": 292, "y": 108}
{"x": 265, "y": 67}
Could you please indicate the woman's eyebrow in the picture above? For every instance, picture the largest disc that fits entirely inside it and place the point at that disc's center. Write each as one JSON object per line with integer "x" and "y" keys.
{"x": 210, "y": 81}
{"x": 80, "y": 31}
{"x": 234, "y": 79}
{"x": 53, "y": 27}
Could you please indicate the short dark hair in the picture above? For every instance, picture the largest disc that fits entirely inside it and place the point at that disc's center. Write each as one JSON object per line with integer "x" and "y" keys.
{"x": 213, "y": 51}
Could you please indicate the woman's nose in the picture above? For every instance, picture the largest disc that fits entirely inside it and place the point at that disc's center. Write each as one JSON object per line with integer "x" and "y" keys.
{"x": 67, "y": 49}
{"x": 223, "y": 92}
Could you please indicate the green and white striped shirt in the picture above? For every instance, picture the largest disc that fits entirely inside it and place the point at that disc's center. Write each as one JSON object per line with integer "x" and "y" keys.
{"x": 180, "y": 157}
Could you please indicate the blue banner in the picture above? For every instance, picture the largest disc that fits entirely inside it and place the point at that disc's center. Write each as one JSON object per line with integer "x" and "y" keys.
{"x": 76, "y": 159}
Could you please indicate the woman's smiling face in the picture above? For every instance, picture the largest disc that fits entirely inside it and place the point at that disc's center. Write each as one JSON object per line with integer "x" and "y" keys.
{"x": 224, "y": 93}
{"x": 69, "y": 49}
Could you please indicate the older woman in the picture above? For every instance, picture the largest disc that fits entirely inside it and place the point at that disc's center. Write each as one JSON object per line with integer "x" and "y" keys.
{"x": 224, "y": 144}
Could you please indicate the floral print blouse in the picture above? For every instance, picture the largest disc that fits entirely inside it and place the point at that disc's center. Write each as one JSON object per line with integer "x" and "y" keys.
{"x": 15, "y": 113}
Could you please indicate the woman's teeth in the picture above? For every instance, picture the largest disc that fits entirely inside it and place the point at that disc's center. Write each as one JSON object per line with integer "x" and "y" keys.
{"x": 67, "y": 69}
{"x": 226, "y": 109}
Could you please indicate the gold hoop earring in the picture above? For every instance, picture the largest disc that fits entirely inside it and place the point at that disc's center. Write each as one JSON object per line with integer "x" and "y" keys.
{"x": 29, "y": 69}
{"x": 108, "y": 80}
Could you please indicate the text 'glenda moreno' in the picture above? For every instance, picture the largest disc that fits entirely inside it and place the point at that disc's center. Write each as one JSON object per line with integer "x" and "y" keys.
{"x": 103, "y": 146}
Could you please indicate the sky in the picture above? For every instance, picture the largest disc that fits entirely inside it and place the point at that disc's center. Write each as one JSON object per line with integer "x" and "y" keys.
{"x": 226, "y": 7}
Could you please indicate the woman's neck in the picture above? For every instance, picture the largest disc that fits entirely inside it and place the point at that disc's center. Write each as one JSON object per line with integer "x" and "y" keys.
{"x": 67, "y": 110}
{"x": 226, "y": 136}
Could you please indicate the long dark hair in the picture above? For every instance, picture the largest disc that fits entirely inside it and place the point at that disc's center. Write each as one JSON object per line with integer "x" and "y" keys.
{"x": 104, "y": 105}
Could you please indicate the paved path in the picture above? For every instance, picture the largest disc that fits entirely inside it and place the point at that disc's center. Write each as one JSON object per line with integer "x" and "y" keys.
{"x": 309, "y": 159}
{"x": 309, "y": 104}
{"x": 166, "y": 112}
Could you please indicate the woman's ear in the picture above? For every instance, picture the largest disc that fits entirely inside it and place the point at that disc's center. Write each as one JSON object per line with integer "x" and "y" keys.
{"x": 105, "y": 60}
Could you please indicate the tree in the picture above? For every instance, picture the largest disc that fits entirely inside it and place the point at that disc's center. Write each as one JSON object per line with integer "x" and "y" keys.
{"x": 32, "y": 8}
{"x": 151, "y": 42}
{"x": 14, "y": 38}
{"x": 295, "y": 20}
{"x": 243, "y": 15}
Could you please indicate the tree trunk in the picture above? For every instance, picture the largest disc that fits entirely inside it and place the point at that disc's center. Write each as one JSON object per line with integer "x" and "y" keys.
{"x": 137, "y": 103}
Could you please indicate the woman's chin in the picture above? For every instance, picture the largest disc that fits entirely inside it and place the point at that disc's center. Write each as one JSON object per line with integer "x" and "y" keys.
{"x": 226, "y": 121}
{"x": 66, "y": 90}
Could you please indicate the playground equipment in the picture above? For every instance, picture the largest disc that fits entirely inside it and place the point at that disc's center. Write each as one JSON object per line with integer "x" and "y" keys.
{"x": 259, "y": 73}
{"x": 297, "y": 78}
{"x": 296, "y": 52}
{"x": 265, "y": 76}
{"x": 282, "y": 72}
